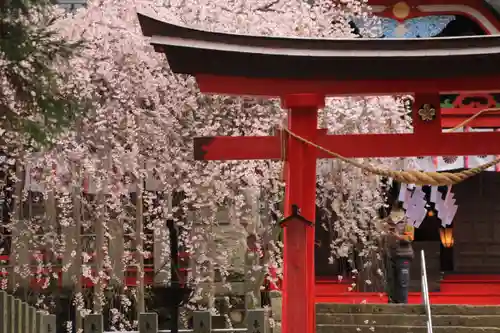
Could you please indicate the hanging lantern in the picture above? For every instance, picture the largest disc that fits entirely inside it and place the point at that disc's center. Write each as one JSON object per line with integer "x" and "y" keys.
{"x": 446, "y": 235}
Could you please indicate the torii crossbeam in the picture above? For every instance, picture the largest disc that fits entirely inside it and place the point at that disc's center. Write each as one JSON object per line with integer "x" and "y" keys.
{"x": 302, "y": 72}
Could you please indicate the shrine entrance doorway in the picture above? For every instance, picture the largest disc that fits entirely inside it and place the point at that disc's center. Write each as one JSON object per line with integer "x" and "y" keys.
{"x": 476, "y": 230}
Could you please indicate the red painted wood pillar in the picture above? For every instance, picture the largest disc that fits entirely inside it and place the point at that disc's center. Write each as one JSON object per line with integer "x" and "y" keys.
{"x": 298, "y": 313}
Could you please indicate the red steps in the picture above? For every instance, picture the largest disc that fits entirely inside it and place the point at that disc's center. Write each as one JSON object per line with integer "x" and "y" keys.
{"x": 471, "y": 277}
{"x": 413, "y": 298}
{"x": 471, "y": 284}
{"x": 326, "y": 288}
{"x": 469, "y": 289}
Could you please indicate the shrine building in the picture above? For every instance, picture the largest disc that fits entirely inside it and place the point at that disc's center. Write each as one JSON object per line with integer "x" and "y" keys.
{"x": 462, "y": 259}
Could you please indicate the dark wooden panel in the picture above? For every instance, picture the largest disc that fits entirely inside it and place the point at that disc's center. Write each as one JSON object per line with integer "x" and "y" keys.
{"x": 477, "y": 225}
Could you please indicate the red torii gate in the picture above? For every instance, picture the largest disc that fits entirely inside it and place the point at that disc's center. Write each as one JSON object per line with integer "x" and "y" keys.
{"x": 302, "y": 72}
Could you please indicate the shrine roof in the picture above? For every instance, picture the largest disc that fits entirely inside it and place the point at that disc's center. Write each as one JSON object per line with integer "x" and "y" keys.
{"x": 192, "y": 51}
{"x": 492, "y": 5}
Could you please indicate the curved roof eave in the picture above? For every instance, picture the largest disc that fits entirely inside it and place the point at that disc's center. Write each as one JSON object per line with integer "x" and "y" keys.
{"x": 192, "y": 51}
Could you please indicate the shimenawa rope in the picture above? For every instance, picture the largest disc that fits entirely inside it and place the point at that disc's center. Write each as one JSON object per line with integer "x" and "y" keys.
{"x": 412, "y": 176}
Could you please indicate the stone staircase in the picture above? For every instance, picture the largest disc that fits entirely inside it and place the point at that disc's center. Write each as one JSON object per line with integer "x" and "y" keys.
{"x": 392, "y": 318}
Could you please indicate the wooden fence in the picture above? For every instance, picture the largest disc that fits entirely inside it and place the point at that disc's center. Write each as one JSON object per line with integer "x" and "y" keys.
{"x": 202, "y": 323}
{"x": 17, "y": 316}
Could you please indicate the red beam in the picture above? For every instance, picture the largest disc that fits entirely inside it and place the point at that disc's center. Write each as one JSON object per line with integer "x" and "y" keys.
{"x": 482, "y": 122}
{"x": 407, "y": 145}
{"x": 280, "y": 87}
{"x": 467, "y": 111}
{"x": 354, "y": 145}
{"x": 452, "y": 117}
{"x": 218, "y": 148}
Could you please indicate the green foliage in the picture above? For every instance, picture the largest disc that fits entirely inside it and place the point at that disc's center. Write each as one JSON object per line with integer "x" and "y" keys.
{"x": 34, "y": 98}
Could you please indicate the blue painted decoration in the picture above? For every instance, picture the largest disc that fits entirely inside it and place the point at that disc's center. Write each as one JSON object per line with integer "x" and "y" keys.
{"x": 418, "y": 27}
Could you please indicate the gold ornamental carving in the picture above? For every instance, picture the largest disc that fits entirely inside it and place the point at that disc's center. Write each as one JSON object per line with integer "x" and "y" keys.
{"x": 401, "y": 10}
{"x": 427, "y": 112}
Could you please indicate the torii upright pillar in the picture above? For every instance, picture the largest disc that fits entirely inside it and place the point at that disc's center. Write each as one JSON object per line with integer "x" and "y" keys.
{"x": 302, "y": 72}
{"x": 300, "y": 171}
